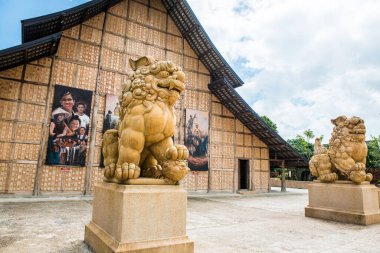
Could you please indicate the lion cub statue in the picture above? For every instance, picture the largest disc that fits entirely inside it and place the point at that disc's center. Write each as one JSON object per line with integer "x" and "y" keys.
{"x": 147, "y": 122}
{"x": 346, "y": 157}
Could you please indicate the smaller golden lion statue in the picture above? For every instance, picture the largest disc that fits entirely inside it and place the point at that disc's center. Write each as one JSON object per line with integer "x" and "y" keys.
{"x": 346, "y": 157}
{"x": 143, "y": 144}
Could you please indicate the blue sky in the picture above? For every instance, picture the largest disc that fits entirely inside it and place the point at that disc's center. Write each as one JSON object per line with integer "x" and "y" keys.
{"x": 303, "y": 62}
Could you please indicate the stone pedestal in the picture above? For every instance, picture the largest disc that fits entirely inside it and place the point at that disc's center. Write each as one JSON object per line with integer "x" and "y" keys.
{"x": 138, "y": 218}
{"x": 344, "y": 201}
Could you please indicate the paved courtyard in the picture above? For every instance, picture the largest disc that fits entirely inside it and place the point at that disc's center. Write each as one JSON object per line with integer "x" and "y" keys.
{"x": 221, "y": 223}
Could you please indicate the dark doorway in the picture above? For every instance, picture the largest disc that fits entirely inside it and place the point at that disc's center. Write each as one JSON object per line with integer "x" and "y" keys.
{"x": 243, "y": 174}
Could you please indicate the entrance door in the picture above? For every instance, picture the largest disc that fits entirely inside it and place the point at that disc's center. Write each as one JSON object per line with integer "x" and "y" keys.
{"x": 243, "y": 174}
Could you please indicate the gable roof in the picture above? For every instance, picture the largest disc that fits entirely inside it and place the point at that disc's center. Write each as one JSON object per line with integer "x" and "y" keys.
{"x": 41, "y": 36}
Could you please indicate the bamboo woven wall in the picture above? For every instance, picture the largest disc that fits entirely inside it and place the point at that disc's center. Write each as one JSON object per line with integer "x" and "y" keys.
{"x": 100, "y": 48}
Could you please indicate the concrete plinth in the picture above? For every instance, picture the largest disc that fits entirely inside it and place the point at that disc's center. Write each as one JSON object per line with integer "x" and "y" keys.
{"x": 345, "y": 202}
{"x": 138, "y": 218}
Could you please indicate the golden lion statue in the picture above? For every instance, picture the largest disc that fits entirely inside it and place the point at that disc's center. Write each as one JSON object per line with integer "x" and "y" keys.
{"x": 346, "y": 157}
{"x": 147, "y": 124}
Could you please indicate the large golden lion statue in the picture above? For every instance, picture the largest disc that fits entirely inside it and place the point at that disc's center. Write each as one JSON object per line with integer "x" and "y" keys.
{"x": 346, "y": 157}
{"x": 147, "y": 122}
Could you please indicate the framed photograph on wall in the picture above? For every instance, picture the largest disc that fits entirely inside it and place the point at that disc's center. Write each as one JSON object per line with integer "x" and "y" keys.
{"x": 69, "y": 125}
{"x": 196, "y": 139}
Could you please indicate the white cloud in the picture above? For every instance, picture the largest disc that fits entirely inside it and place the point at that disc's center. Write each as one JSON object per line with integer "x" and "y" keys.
{"x": 305, "y": 62}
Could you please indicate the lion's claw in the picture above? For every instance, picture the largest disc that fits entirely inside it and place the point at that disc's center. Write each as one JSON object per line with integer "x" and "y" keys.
{"x": 177, "y": 152}
{"x": 127, "y": 171}
{"x": 109, "y": 171}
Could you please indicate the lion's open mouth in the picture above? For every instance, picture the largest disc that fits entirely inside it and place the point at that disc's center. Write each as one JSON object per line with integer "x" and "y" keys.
{"x": 171, "y": 84}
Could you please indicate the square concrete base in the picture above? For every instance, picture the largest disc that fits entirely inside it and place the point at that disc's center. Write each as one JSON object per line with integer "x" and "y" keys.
{"x": 138, "y": 218}
{"x": 345, "y": 202}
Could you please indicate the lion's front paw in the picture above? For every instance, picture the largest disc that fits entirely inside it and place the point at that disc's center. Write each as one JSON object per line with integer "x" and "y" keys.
{"x": 357, "y": 173}
{"x": 369, "y": 177}
{"x": 152, "y": 172}
{"x": 109, "y": 171}
{"x": 175, "y": 170}
{"x": 177, "y": 152}
{"x": 127, "y": 171}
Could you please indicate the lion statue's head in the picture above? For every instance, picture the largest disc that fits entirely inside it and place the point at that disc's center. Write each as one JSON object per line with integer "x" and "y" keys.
{"x": 151, "y": 81}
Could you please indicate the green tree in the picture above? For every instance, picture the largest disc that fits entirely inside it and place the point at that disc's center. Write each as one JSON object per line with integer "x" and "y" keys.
{"x": 270, "y": 123}
{"x": 309, "y": 135}
{"x": 302, "y": 146}
{"x": 373, "y": 156}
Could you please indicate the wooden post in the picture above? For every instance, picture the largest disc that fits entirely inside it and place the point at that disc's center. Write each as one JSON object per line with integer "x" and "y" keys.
{"x": 283, "y": 186}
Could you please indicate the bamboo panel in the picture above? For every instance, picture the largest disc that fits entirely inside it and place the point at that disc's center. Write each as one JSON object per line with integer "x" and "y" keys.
{"x": 240, "y": 139}
{"x": 28, "y": 132}
{"x": 187, "y": 50}
{"x": 97, "y": 151}
{"x": 226, "y": 112}
{"x": 215, "y": 99}
{"x": 8, "y": 109}
{"x": 113, "y": 41}
{"x": 191, "y": 78}
{"x": 45, "y": 62}
{"x": 203, "y": 69}
{"x": 204, "y": 101}
{"x": 14, "y": 73}
{"x": 216, "y": 163}
{"x": 227, "y": 182}
{"x": 3, "y": 176}
{"x": 172, "y": 27}
{"x": 217, "y": 136}
{"x": 177, "y": 59}
{"x": 156, "y": 38}
{"x": 228, "y": 151}
{"x": 99, "y": 139}
{"x": 86, "y": 77}
{"x": 258, "y": 143}
{"x": 247, "y": 152}
{"x": 113, "y": 60}
{"x": 264, "y": 153}
{"x": 239, "y": 152}
{"x": 191, "y": 99}
{"x": 135, "y": 48}
{"x": 96, "y": 21}
{"x": 157, "y": 19}
{"x": 90, "y": 34}
{"x": 34, "y": 93}
{"x": 202, "y": 180}
{"x": 216, "y": 180}
{"x": 137, "y": 32}
{"x": 6, "y": 128}
{"x": 138, "y": 12}
{"x": 246, "y": 130}
{"x": 96, "y": 176}
{"x": 72, "y": 32}
{"x": 157, "y": 53}
{"x": 216, "y": 150}
{"x": 174, "y": 43}
{"x": 257, "y": 164}
{"x": 51, "y": 178}
{"x": 239, "y": 126}
{"x": 63, "y": 73}
{"x": 102, "y": 104}
{"x": 203, "y": 82}
{"x": 89, "y": 53}
{"x": 26, "y": 152}
{"x": 74, "y": 179}
{"x": 67, "y": 49}
{"x": 257, "y": 180}
{"x": 228, "y": 124}
{"x": 256, "y": 153}
{"x": 29, "y": 112}
{"x": 216, "y": 122}
{"x": 9, "y": 89}
{"x": 5, "y": 148}
{"x": 158, "y": 5}
{"x": 110, "y": 82}
{"x": 119, "y": 9}
{"x": 247, "y": 140}
{"x": 217, "y": 108}
{"x": 264, "y": 165}
{"x": 190, "y": 63}
{"x": 146, "y": 2}
{"x": 228, "y": 137}
{"x": 115, "y": 25}
{"x": 264, "y": 180}
{"x": 99, "y": 122}
{"x": 188, "y": 182}
{"x": 37, "y": 74}
{"x": 22, "y": 177}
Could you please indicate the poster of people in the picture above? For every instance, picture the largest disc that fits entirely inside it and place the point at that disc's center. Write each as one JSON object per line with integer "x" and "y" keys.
{"x": 196, "y": 139}
{"x": 68, "y": 132}
{"x": 111, "y": 115}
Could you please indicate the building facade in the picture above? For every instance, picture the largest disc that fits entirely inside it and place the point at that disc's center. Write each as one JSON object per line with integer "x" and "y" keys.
{"x": 89, "y": 50}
